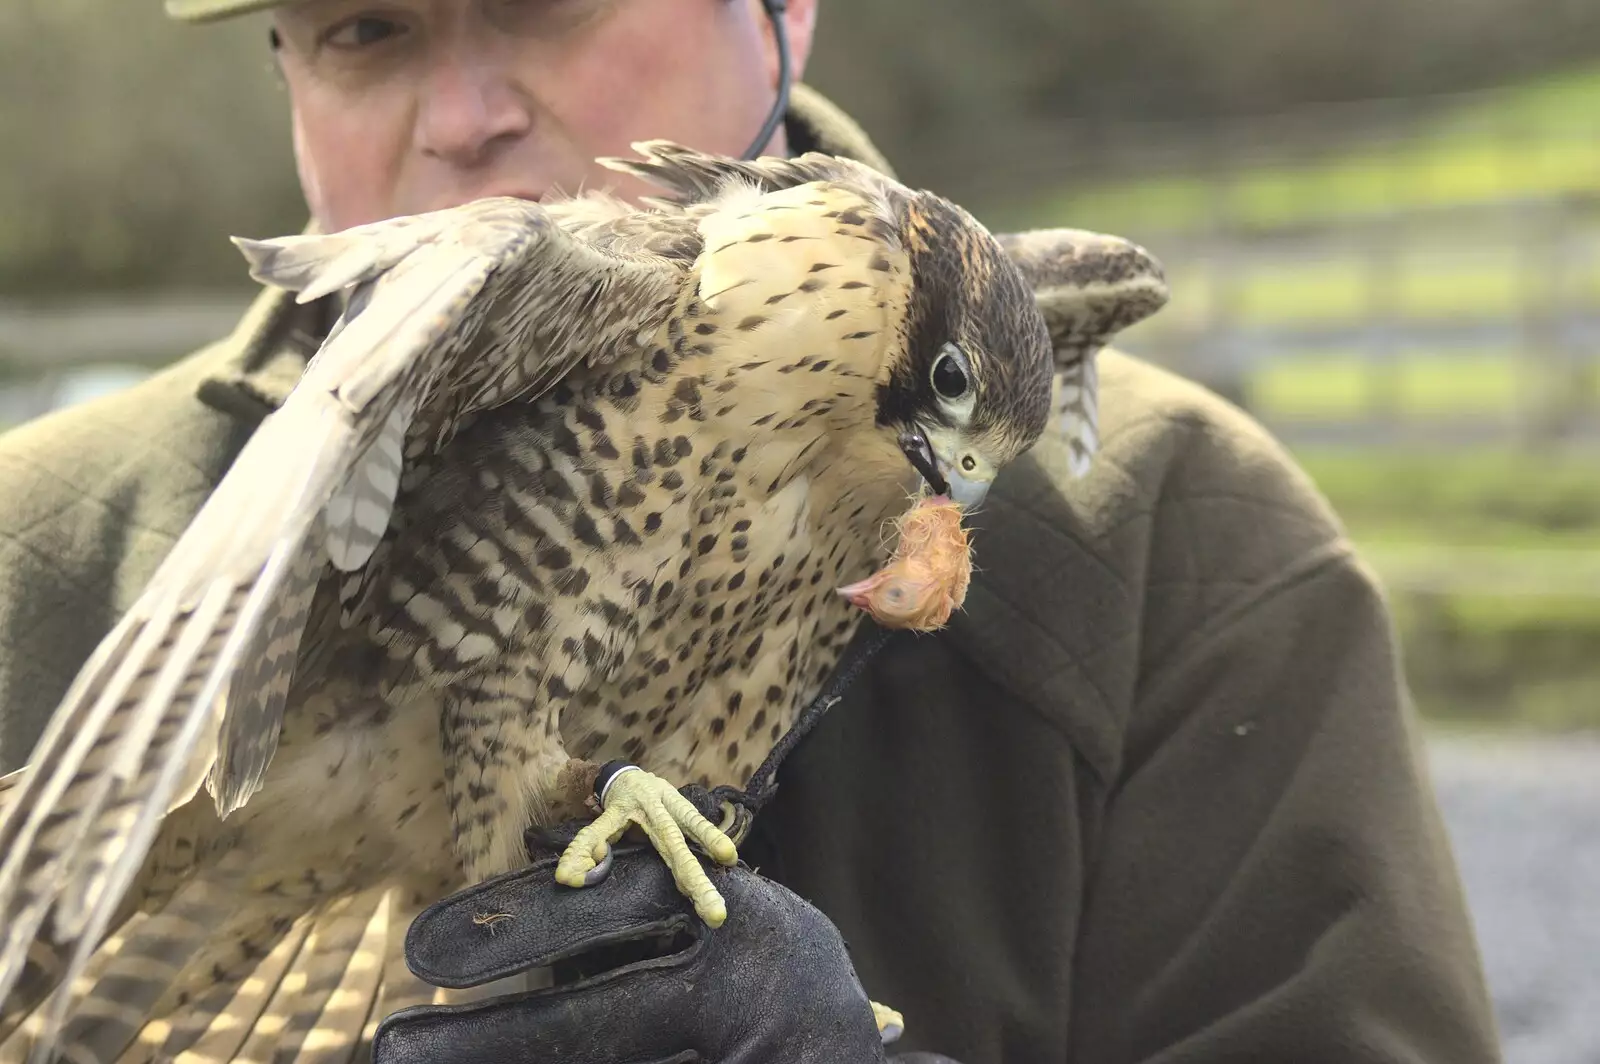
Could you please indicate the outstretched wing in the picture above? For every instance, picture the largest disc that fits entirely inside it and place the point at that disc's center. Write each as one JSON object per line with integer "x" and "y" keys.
{"x": 1089, "y": 286}
{"x": 448, "y": 312}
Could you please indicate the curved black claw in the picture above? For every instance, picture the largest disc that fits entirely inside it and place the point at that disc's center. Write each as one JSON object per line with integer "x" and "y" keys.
{"x": 601, "y": 870}
{"x": 724, "y": 807}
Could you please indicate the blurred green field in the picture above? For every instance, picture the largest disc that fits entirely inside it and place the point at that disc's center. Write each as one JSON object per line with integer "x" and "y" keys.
{"x": 1490, "y": 386}
{"x": 1491, "y": 555}
{"x": 1492, "y": 562}
{"x": 1429, "y": 280}
{"x": 1477, "y": 498}
{"x": 1531, "y": 140}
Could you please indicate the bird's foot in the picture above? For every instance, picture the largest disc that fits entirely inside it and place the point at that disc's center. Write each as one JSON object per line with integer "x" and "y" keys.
{"x": 891, "y": 1024}
{"x": 634, "y": 796}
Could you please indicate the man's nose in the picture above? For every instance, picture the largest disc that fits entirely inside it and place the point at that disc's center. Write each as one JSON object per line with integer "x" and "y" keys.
{"x": 469, "y": 107}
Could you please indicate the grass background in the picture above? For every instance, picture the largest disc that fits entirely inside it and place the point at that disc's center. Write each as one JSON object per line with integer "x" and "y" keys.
{"x": 1530, "y": 140}
{"x": 1491, "y": 554}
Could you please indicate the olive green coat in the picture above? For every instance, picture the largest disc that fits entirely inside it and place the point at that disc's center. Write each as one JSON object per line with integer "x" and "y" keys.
{"x": 1153, "y": 796}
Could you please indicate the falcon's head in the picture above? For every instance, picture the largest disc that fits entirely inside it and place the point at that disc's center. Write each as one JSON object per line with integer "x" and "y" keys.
{"x": 990, "y": 324}
{"x": 970, "y": 390}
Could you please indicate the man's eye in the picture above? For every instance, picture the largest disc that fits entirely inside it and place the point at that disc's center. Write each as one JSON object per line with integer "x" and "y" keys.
{"x": 363, "y": 31}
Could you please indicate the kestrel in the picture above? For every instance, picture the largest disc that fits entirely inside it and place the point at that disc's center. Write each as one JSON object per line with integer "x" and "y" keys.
{"x": 566, "y": 483}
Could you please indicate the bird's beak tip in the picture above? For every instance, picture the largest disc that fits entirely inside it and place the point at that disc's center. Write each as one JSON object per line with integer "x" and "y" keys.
{"x": 914, "y": 444}
{"x": 969, "y": 494}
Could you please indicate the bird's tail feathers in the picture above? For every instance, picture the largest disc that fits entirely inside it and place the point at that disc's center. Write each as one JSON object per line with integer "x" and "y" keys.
{"x": 1077, "y": 405}
{"x": 203, "y": 980}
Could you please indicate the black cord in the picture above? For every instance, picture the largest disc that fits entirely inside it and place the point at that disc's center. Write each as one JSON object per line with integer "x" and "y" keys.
{"x": 747, "y": 801}
{"x": 760, "y": 786}
{"x": 780, "y": 106}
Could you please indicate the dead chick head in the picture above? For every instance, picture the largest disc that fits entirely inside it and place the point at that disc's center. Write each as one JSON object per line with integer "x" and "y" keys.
{"x": 926, "y": 579}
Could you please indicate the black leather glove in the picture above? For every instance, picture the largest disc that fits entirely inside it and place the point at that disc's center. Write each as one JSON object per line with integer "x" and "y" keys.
{"x": 640, "y": 979}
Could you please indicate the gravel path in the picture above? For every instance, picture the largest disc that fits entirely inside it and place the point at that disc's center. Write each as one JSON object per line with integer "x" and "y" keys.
{"x": 1525, "y": 818}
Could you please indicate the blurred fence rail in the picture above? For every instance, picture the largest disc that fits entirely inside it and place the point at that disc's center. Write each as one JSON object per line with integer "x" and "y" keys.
{"x": 142, "y": 329}
{"x": 1396, "y": 273}
{"x": 1436, "y": 570}
{"x": 1452, "y": 326}
{"x": 1408, "y": 295}
{"x": 55, "y": 354}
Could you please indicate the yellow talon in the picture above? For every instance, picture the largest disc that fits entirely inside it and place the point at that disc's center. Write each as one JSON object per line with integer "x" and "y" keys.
{"x": 713, "y": 910}
{"x": 670, "y": 820}
{"x": 722, "y": 850}
{"x": 891, "y": 1024}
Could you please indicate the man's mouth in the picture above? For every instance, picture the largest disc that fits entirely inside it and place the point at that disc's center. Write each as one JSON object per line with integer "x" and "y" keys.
{"x": 920, "y": 454}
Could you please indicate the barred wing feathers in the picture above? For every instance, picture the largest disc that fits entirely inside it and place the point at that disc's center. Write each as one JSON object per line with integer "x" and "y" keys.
{"x": 448, "y": 313}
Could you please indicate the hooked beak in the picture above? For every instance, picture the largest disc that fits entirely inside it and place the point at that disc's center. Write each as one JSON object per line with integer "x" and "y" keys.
{"x": 920, "y": 453}
{"x": 942, "y": 474}
{"x": 969, "y": 493}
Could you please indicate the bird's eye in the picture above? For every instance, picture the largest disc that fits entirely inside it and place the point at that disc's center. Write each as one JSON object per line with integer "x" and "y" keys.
{"x": 950, "y": 376}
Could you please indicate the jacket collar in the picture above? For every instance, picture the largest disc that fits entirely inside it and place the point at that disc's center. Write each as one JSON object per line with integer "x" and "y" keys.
{"x": 255, "y": 366}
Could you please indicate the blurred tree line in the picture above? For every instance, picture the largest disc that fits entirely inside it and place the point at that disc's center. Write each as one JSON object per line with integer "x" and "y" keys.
{"x": 920, "y": 69}
{"x": 135, "y": 145}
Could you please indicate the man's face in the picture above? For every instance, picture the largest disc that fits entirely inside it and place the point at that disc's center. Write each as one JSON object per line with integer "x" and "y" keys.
{"x": 403, "y": 106}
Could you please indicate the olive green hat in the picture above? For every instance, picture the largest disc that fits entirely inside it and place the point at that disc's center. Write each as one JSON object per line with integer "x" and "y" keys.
{"x": 210, "y": 10}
